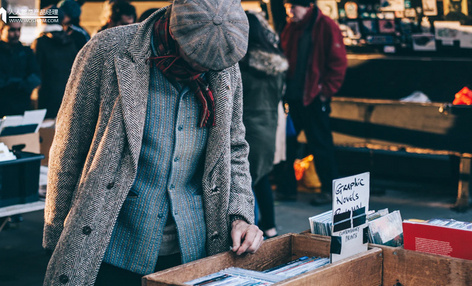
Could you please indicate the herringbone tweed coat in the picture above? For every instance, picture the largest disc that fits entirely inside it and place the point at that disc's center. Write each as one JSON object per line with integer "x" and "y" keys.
{"x": 95, "y": 153}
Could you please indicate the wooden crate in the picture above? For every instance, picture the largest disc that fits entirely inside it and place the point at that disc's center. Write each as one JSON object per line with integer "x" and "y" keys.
{"x": 403, "y": 267}
{"x": 362, "y": 269}
{"x": 407, "y": 267}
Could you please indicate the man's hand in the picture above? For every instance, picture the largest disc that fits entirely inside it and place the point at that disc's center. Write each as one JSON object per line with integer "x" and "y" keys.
{"x": 246, "y": 237}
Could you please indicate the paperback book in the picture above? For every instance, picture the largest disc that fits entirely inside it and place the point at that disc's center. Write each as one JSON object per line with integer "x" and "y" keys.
{"x": 439, "y": 236}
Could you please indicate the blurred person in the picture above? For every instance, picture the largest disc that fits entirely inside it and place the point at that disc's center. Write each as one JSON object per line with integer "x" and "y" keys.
{"x": 263, "y": 74}
{"x": 71, "y": 22}
{"x": 19, "y": 71}
{"x": 315, "y": 50}
{"x": 55, "y": 51}
{"x": 120, "y": 13}
{"x": 146, "y": 14}
{"x": 148, "y": 168}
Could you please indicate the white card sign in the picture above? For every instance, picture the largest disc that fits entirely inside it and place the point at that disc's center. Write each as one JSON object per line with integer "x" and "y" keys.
{"x": 350, "y": 206}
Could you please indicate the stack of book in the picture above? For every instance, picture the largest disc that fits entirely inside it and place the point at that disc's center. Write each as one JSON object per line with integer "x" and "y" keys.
{"x": 384, "y": 228}
{"x": 322, "y": 223}
{"x": 239, "y": 276}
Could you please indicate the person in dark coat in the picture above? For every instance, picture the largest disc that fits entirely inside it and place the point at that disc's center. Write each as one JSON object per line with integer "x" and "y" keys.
{"x": 19, "y": 71}
{"x": 121, "y": 13}
{"x": 263, "y": 73}
{"x": 314, "y": 47}
{"x": 71, "y": 22}
{"x": 55, "y": 51}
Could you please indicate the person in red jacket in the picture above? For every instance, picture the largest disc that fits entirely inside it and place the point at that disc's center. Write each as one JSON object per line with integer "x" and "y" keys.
{"x": 313, "y": 45}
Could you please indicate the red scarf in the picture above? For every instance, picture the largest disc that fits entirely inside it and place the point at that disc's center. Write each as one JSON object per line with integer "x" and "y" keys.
{"x": 290, "y": 37}
{"x": 173, "y": 66}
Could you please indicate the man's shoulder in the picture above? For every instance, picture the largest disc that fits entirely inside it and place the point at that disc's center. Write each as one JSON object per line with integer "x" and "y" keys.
{"x": 115, "y": 37}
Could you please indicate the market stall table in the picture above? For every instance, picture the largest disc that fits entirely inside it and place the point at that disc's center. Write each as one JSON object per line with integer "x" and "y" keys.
{"x": 7, "y": 212}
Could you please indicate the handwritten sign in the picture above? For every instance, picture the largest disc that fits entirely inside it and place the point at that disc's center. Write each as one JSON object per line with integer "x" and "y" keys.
{"x": 350, "y": 206}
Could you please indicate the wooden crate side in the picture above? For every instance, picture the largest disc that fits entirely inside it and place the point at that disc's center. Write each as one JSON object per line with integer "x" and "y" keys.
{"x": 362, "y": 269}
{"x": 189, "y": 271}
{"x": 415, "y": 268}
{"x": 310, "y": 245}
{"x": 270, "y": 254}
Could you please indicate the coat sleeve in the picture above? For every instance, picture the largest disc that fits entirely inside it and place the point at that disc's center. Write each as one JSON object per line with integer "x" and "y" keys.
{"x": 336, "y": 62}
{"x": 241, "y": 200}
{"x": 75, "y": 129}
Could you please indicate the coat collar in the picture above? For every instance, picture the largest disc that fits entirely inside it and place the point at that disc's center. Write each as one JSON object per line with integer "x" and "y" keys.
{"x": 139, "y": 48}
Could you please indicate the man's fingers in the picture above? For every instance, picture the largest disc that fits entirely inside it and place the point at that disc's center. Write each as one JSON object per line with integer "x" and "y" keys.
{"x": 236, "y": 235}
{"x": 246, "y": 237}
{"x": 252, "y": 240}
{"x": 249, "y": 237}
{"x": 256, "y": 244}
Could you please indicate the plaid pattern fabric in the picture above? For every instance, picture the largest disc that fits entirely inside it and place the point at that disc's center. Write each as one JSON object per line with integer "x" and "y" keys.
{"x": 173, "y": 66}
{"x": 169, "y": 173}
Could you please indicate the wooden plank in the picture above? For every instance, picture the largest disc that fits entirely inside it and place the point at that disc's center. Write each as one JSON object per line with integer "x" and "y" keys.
{"x": 271, "y": 254}
{"x": 406, "y": 267}
{"x": 462, "y": 202}
{"x": 275, "y": 252}
{"x": 362, "y": 269}
{"x": 421, "y": 125}
{"x": 308, "y": 245}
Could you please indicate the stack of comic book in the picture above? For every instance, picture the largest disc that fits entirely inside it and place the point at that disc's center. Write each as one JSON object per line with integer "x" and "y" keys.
{"x": 238, "y": 276}
{"x": 322, "y": 223}
{"x": 384, "y": 228}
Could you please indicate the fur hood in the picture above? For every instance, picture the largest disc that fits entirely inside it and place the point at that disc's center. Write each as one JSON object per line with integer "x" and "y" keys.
{"x": 268, "y": 63}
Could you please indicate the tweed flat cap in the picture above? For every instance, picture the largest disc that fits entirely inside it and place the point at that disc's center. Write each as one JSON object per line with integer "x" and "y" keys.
{"x": 213, "y": 33}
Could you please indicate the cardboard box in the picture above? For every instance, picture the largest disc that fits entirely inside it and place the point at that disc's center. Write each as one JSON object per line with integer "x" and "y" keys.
{"x": 362, "y": 269}
{"x": 31, "y": 140}
{"x": 47, "y": 136}
{"x": 408, "y": 267}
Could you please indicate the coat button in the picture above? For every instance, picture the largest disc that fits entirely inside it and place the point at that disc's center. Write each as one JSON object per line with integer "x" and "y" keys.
{"x": 215, "y": 235}
{"x": 86, "y": 230}
{"x": 215, "y": 190}
{"x": 110, "y": 185}
{"x": 63, "y": 279}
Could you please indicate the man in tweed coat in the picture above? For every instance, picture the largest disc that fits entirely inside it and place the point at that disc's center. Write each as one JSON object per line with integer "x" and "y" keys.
{"x": 149, "y": 165}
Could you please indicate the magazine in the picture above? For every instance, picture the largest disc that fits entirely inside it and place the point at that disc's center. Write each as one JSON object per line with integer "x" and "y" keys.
{"x": 387, "y": 230}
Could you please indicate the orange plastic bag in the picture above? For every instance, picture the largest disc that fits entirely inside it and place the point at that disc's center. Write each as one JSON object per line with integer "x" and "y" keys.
{"x": 305, "y": 172}
{"x": 464, "y": 97}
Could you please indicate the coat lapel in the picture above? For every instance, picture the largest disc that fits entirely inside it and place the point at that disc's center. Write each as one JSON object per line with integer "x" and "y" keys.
{"x": 133, "y": 73}
{"x": 133, "y": 82}
{"x": 220, "y": 84}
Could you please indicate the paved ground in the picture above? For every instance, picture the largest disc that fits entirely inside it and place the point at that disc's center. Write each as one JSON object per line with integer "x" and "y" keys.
{"x": 22, "y": 260}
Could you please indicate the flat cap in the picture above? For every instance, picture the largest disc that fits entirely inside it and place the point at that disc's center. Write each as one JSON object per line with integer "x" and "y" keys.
{"x": 213, "y": 33}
